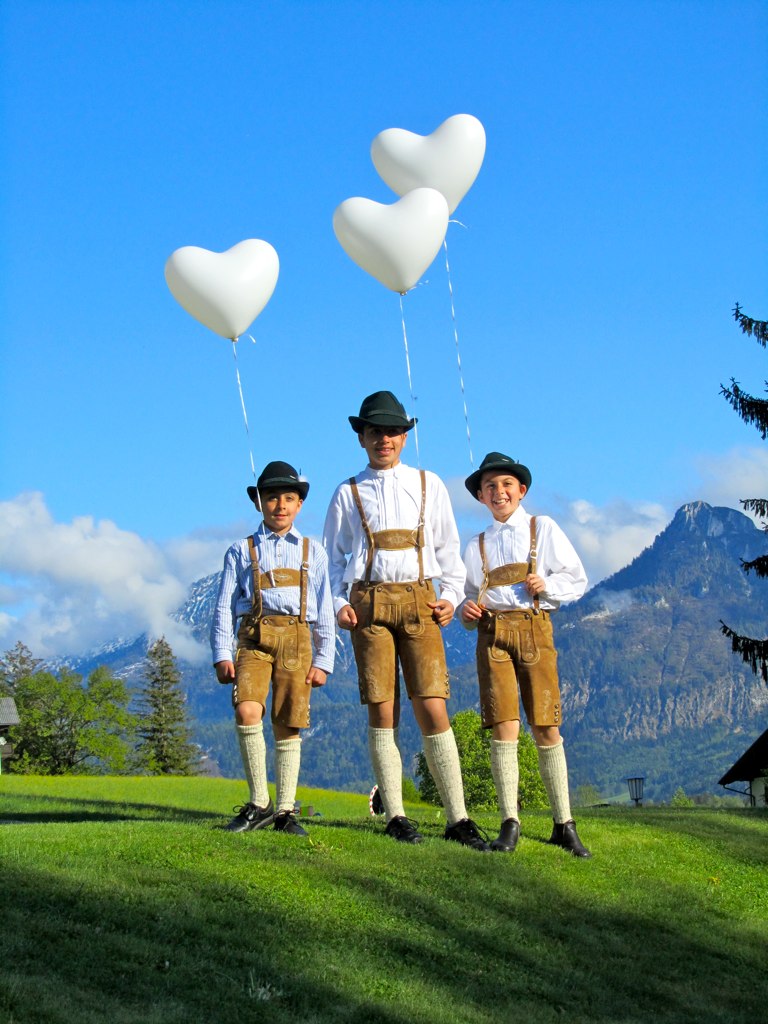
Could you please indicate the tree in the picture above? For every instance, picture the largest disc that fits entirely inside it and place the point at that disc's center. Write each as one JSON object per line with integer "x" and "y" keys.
{"x": 14, "y": 665}
{"x": 474, "y": 745}
{"x": 70, "y": 728}
{"x": 165, "y": 739}
{"x": 754, "y": 411}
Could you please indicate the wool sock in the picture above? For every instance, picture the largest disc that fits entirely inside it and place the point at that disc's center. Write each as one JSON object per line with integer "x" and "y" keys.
{"x": 506, "y": 776}
{"x": 443, "y": 760}
{"x": 254, "y": 754}
{"x": 554, "y": 775}
{"x": 287, "y": 764}
{"x": 387, "y": 769}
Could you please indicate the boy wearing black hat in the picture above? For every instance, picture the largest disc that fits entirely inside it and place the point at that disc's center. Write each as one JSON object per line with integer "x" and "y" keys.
{"x": 276, "y": 583}
{"x": 519, "y": 571}
{"x": 389, "y": 532}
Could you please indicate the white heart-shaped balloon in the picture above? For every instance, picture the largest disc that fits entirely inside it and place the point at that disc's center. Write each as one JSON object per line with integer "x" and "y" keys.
{"x": 449, "y": 159}
{"x": 396, "y": 243}
{"x": 225, "y": 291}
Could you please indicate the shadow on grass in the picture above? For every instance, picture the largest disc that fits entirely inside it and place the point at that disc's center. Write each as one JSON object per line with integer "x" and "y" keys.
{"x": 292, "y": 936}
{"x": 16, "y": 809}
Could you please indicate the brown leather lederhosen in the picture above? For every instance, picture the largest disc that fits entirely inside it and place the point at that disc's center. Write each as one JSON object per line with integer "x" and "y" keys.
{"x": 275, "y": 648}
{"x": 395, "y": 623}
{"x": 515, "y": 648}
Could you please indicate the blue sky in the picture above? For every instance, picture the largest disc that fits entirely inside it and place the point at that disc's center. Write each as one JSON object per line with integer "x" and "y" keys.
{"x": 619, "y": 214}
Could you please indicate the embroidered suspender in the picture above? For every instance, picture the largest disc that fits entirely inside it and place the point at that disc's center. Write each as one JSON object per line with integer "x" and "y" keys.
{"x": 256, "y": 604}
{"x": 512, "y": 572}
{"x": 392, "y": 540}
{"x": 280, "y": 578}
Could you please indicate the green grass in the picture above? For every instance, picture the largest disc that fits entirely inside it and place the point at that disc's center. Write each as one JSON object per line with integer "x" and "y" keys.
{"x": 124, "y": 903}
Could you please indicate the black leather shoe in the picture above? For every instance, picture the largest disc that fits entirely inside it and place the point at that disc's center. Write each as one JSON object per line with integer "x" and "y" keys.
{"x": 403, "y": 830}
{"x": 375, "y": 803}
{"x": 467, "y": 833}
{"x": 564, "y": 834}
{"x": 509, "y": 834}
{"x": 286, "y": 822}
{"x": 249, "y": 817}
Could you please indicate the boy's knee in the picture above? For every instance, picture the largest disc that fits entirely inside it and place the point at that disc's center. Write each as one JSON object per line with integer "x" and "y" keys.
{"x": 249, "y": 712}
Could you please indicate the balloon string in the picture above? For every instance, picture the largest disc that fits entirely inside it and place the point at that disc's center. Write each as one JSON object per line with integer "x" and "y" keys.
{"x": 242, "y": 403}
{"x": 458, "y": 353}
{"x": 410, "y": 382}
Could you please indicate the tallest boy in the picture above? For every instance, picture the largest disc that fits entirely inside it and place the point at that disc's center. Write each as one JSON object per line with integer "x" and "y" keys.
{"x": 389, "y": 532}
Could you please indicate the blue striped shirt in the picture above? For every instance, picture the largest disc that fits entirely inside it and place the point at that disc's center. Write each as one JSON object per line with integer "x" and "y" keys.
{"x": 235, "y": 596}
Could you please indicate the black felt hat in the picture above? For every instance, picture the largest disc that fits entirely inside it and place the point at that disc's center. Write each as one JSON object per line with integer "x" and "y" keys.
{"x": 381, "y": 409}
{"x": 278, "y": 476}
{"x": 496, "y": 462}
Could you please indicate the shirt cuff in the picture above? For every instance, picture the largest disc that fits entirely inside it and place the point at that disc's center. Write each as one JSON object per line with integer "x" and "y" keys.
{"x": 222, "y": 654}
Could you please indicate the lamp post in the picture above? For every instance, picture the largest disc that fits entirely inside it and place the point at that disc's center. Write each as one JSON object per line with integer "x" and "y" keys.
{"x": 636, "y": 789}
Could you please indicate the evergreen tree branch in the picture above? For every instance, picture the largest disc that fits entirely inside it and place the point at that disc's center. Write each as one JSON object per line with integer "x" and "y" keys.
{"x": 759, "y": 566}
{"x": 757, "y": 329}
{"x": 753, "y": 652}
{"x": 758, "y": 506}
{"x": 752, "y": 410}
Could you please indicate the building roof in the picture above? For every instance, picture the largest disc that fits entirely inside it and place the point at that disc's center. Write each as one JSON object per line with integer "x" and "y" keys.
{"x": 751, "y": 764}
{"x": 8, "y": 713}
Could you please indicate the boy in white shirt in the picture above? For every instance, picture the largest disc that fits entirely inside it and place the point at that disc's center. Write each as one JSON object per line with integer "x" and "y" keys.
{"x": 519, "y": 571}
{"x": 389, "y": 532}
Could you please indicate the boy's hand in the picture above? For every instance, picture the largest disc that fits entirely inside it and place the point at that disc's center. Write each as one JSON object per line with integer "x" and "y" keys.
{"x": 471, "y": 612}
{"x": 534, "y": 584}
{"x": 225, "y": 671}
{"x": 346, "y": 617}
{"x": 316, "y": 677}
{"x": 442, "y": 612}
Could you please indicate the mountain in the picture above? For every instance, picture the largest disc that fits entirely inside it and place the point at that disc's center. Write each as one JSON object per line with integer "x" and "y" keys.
{"x": 649, "y": 683}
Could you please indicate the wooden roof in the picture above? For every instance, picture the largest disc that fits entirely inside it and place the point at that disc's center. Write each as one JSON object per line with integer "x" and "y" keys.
{"x": 8, "y": 713}
{"x": 751, "y": 764}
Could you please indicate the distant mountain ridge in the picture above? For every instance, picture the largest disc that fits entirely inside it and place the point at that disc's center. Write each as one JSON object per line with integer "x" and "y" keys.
{"x": 649, "y": 683}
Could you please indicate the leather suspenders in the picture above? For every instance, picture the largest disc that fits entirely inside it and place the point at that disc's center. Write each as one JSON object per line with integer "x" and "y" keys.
{"x": 512, "y": 572}
{"x": 392, "y": 540}
{"x": 280, "y": 578}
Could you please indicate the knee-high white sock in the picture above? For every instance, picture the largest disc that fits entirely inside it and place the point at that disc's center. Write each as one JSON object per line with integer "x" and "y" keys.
{"x": 443, "y": 759}
{"x": 254, "y": 754}
{"x": 506, "y": 776}
{"x": 287, "y": 764}
{"x": 554, "y": 775}
{"x": 388, "y": 769}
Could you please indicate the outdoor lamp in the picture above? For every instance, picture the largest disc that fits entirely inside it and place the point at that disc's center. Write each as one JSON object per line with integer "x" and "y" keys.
{"x": 636, "y": 789}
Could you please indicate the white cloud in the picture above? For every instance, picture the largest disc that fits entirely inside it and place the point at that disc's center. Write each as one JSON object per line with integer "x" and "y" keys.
{"x": 70, "y": 586}
{"x": 739, "y": 473}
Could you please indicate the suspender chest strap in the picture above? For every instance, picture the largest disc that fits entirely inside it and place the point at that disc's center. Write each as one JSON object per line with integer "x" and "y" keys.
{"x": 511, "y": 573}
{"x": 392, "y": 540}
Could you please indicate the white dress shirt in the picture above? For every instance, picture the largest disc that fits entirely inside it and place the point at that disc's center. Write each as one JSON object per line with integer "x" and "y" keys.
{"x": 556, "y": 562}
{"x": 391, "y": 499}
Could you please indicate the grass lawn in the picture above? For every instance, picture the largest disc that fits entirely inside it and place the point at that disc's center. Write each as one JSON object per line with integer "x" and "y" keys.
{"x": 123, "y": 902}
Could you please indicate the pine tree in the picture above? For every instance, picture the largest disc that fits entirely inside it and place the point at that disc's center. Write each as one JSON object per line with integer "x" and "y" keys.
{"x": 753, "y": 411}
{"x": 165, "y": 746}
{"x": 15, "y": 664}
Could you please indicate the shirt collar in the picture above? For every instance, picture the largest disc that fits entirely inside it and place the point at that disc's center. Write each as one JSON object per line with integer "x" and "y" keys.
{"x": 293, "y": 534}
{"x": 386, "y": 474}
{"x": 518, "y": 518}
